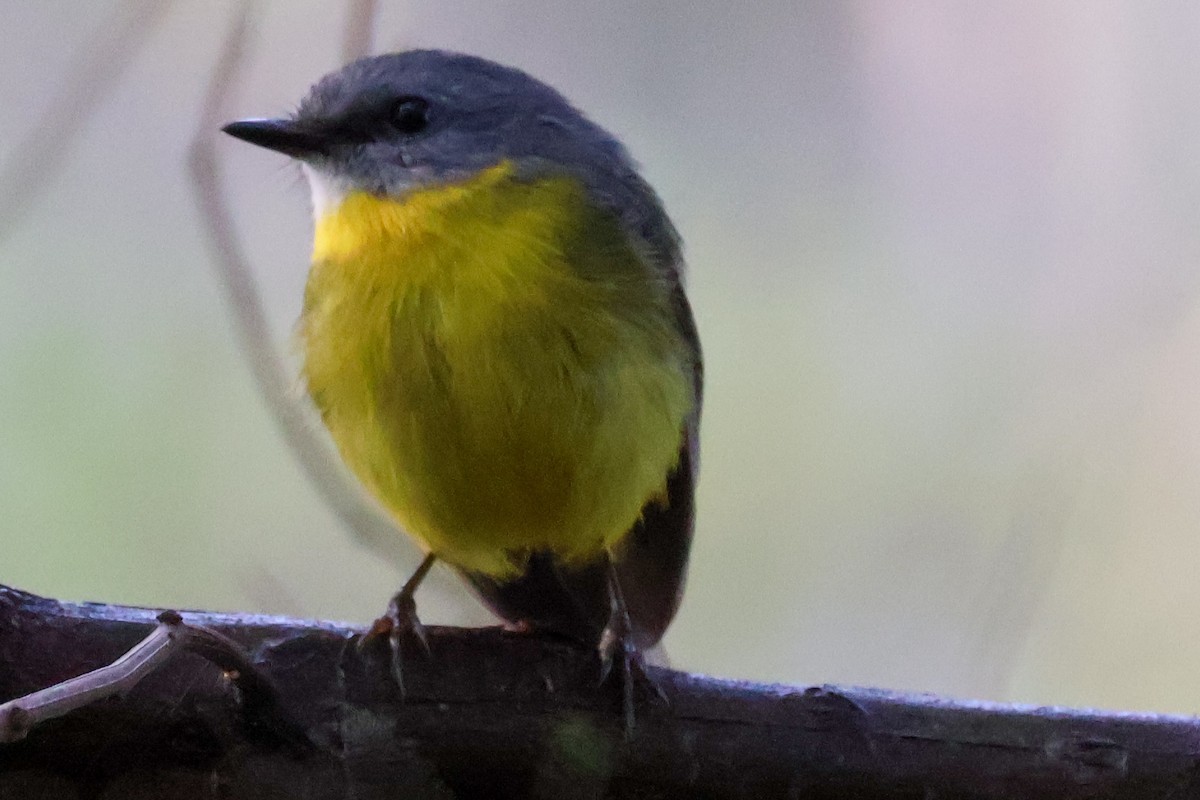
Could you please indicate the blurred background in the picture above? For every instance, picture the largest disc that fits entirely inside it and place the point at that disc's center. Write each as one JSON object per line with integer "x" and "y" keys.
{"x": 945, "y": 259}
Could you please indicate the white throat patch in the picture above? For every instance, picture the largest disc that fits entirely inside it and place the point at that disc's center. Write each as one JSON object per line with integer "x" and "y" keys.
{"x": 327, "y": 192}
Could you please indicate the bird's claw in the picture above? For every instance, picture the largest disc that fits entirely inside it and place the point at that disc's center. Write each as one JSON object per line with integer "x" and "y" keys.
{"x": 631, "y": 674}
{"x": 399, "y": 623}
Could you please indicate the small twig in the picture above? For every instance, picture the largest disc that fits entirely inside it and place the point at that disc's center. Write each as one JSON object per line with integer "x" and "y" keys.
{"x": 360, "y": 28}
{"x": 33, "y": 162}
{"x": 172, "y": 635}
{"x": 19, "y": 716}
{"x": 342, "y": 494}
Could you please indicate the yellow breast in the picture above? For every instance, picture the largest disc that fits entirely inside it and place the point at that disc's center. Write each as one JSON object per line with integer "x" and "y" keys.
{"x": 497, "y": 365}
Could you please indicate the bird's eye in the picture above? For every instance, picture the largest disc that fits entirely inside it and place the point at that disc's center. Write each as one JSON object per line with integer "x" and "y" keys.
{"x": 410, "y": 114}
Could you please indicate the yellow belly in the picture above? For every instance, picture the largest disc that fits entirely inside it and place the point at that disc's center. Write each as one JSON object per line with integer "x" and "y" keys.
{"x": 497, "y": 365}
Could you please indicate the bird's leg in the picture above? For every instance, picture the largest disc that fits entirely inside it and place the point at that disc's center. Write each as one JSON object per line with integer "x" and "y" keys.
{"x": 617, "y": 644}
{"x": 401, "y": 620}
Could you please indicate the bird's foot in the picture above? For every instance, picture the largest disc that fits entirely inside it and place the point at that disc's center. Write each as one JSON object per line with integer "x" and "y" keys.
{"x": 399, "y": 624}
{"x": 617, "y": 649}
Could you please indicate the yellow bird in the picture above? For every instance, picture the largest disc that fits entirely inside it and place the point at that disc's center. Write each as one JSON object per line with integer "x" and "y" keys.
{"x": 496, "y": 334}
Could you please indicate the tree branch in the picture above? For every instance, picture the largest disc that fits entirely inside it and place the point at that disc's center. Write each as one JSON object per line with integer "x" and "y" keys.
{"x": 497, "y": 714}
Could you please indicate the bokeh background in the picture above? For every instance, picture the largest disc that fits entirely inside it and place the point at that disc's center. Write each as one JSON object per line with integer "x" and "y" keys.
{"x": 945, "y": 260}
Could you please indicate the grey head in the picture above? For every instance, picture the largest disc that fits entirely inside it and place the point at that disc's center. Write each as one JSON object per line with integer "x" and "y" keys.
{"x": 393, "y": 123}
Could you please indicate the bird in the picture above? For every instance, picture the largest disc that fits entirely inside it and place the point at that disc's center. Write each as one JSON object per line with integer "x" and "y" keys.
{"x": 496, "y": 334}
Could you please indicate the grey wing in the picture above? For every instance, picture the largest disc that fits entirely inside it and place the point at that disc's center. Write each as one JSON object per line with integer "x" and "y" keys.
{"x": 652, "y": 562}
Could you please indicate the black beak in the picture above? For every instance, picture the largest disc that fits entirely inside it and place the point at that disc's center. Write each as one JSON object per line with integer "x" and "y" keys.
{"x": 282, "y": 135}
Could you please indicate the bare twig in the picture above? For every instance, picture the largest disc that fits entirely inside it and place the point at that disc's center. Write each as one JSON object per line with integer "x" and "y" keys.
{"x": 33, "y": 163}
{"x": 342, "y": 494}
{"x": 171, "y": 635}
{"x": 19, "y": 716}
{"x": 360, "y": 28}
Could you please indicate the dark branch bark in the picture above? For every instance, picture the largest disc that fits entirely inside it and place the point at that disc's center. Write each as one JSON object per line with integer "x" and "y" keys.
{"x": 496, "y": 714}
